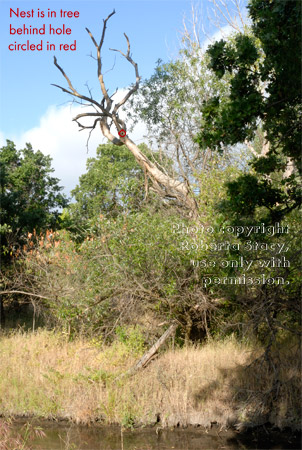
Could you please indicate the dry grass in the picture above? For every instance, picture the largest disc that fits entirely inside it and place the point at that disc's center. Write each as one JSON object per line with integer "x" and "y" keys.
{"x": 42, "y": 374}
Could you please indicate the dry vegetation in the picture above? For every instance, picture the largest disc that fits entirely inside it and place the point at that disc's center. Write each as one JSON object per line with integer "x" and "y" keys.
{"x": 44, "y": 375}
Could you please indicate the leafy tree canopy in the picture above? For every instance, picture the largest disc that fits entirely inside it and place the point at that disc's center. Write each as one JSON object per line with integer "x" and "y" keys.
{"x": 265, "y": 89}
{"x": 113, "y": 183}
{"x": 168, "y": 102}
{"x": 30, "y": 197}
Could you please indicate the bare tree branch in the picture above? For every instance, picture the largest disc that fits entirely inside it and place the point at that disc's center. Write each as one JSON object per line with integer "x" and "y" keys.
{"x": 99, "y": 60}
{"x": 87, "y": 115}
{"x": 252, "y": 150}
{"x": 24, "y": 293}
{"x": 86, "y": 127}
{"x": 135, "y": 87}
{"x": 164, "y": 184}
{"x": 73, "y": 91}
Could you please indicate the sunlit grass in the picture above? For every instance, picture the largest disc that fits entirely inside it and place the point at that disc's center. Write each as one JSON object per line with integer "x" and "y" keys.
{"x": 43, "y": 374}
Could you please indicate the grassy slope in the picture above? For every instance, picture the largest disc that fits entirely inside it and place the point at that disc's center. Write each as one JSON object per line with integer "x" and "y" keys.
{"x": 42, "y": 374}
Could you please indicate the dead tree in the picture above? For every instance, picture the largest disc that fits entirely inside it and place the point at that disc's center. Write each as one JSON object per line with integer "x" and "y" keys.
{"x": 106, "y": 114}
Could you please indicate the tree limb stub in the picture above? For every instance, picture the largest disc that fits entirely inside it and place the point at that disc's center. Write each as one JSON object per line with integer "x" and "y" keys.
{"x": 148, "y": 356}
{"x": 151, "y": 352}
{"x": 163, "y": 184}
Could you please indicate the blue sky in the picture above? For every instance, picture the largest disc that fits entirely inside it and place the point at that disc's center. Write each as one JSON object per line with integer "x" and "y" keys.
{"x": 31, "y": 108}
{"x": 26, "y": 76}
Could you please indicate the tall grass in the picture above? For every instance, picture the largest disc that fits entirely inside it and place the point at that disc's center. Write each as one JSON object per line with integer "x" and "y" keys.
{"x": 10, "y": 439}
{"x": 42, "y": 374}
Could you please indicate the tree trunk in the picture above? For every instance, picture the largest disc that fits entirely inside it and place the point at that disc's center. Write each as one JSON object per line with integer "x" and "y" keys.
{"x": 163, "y": 183}
{"x": 2, "y": 314}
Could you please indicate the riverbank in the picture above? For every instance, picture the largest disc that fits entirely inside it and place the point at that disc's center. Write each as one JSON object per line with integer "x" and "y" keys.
{"x": 64, "y": 435}
{"x": 43, "y": 375}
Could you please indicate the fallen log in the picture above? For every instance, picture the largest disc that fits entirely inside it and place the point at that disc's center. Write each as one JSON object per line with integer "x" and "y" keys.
{"x": 146, "y": 358}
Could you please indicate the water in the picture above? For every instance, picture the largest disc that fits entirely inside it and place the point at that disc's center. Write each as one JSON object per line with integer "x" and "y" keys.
{"x": 72, "y": 437}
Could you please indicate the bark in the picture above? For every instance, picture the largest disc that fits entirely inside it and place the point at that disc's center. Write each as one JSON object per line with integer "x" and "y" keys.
{"x": 290, "y": 165}
{"x": 290, "y": 168}
{"x": 147, "y": 357}
{"x": 163, "y": 184}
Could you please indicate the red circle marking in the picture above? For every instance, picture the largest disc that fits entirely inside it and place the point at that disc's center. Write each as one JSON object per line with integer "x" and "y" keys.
{"x": 122, "y": 133}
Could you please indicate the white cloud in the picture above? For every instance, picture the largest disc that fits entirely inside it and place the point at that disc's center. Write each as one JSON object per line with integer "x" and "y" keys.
{"x": 222, "y": 33}
{"x": 60, "y": 138}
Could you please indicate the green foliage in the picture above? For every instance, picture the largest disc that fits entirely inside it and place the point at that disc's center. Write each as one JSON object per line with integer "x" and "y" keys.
{"x": 136, "y": 266}
{"x": 30, "y": 197}
{"x": 169, "y": 103}
{"x": 128, "y": 420}
{"x": 265, "y": 86}
{"x": 225, "y": 58}
{"x": 95, "y": 376}
{"x": 132, "y": 337}
{"x": 129, "y": 266}
{"x": 122, "y": 265}
{"x": 247, "y": 192}
{"x": 113, "y": 183}
{"x": 212, "y": 184}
